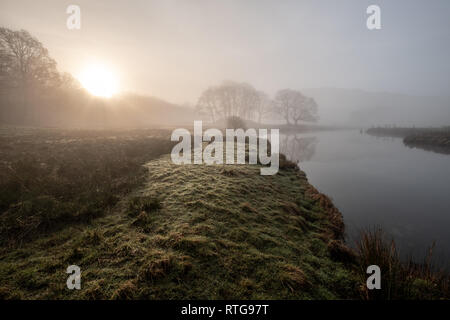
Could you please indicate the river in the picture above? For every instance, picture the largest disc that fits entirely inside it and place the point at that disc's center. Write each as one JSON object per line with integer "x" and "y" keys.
{"x": 380, "y": 182}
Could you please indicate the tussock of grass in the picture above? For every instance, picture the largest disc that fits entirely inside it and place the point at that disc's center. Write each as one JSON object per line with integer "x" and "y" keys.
{"x": 293, "y": 278}
{"x": 126, "y": 291}
{"x": 143, "y": 204}
{"x": 400, "y": 279}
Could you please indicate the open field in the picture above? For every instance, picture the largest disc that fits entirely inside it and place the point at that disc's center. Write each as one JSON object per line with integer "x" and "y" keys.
{"x": 51, "y": 177}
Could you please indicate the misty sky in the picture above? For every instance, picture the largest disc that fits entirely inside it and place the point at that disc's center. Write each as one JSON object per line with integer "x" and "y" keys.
{"x": 175, "y": 49}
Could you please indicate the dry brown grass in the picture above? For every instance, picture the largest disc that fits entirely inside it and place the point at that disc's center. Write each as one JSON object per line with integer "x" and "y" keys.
{"x": 400, "y": 279}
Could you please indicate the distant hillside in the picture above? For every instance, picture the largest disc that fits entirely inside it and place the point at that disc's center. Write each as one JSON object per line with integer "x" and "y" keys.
{"x": 128, "y": 110}
{"x": 363, "y": 108}
{"x": 77, "y": 108}
{"x": 137, "y": 110}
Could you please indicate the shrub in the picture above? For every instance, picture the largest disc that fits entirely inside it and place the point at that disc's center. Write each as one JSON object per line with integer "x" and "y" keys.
{"x": 146, "y": 204}
{"x": 287, "y": 164}
{"x": 235, "y": 122}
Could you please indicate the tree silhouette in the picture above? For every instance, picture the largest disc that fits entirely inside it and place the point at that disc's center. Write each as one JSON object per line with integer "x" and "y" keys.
{"x": 263, "y": 106}
{"x": 293, "y": 105}
{"x": 25, "y": 64}
{"x": 230, "y": 99}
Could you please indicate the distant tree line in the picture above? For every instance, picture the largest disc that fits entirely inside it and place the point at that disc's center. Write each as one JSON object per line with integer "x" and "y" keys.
{"x": 34, "y": 93}
{"x": 29, "y": 79}
{"x": 233, "y": 99}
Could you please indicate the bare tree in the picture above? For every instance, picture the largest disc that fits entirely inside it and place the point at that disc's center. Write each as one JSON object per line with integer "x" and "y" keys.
{"x": 208, "y": 104}
{"x": 230, "y": 99}
{"x": 283, "y": 104}
{"x": 304, "y": 110}
{"x": 263, "y": 105}
{"x": 25, "y": 63}
{"x": 67, "y": 81}
{"x": 5, "y": 62}
{"x": 293, "y": 105}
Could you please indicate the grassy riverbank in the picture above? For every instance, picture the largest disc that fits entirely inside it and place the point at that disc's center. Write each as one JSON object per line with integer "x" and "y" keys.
{"x": 432, "y": 139}
{"x": 191, "y": 231}
{"x": 163, "y": 231}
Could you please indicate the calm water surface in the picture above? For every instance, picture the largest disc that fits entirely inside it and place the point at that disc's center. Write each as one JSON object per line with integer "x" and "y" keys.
{"x": 379, "y": 181}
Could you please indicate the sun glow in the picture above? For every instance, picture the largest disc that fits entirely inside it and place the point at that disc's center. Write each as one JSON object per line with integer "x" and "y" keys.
{"x": 99, "y": 81}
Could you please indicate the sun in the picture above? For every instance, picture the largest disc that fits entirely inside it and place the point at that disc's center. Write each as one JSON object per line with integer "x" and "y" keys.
{"x": 99, "y": 81}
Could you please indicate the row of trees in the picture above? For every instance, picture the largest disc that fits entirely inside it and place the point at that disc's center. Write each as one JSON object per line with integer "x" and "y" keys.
{"x": 232, "y": 99}
{"x": 28, "y": 77}
{"x": 34, "y": 93}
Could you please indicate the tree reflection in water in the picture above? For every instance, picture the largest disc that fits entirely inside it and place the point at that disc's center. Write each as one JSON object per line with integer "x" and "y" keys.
{"x": 297, "y": 147}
